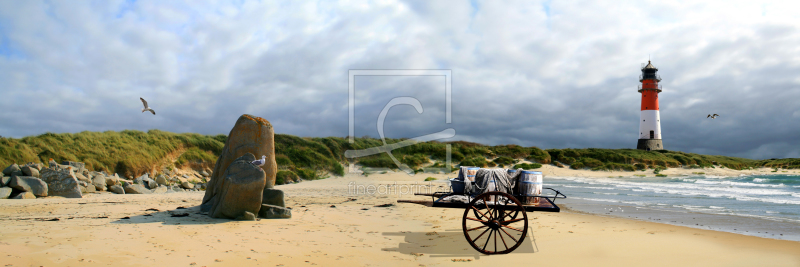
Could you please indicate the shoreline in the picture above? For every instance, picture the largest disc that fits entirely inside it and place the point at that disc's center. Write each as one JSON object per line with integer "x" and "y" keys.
{"x": 354, "y": 232}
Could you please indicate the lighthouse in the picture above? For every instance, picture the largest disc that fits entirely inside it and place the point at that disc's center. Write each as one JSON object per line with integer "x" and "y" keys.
{"x": 649, "y": 119}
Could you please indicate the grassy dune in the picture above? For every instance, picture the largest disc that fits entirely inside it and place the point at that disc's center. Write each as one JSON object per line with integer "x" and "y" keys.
{"x": 135, "y": 152}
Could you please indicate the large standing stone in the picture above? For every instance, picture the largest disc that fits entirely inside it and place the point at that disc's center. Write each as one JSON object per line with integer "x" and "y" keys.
{"x": 135, "y": 189}
{"x": 30, "y": 171}
{"x": 240, "y": 189}
{"x": 29, "y": 184}
{"x": 5, "y": 192}
{"x": 252, "y": 135}
{"x": 11, "y": 169}
{"x": 273, "y": 197}
{"x": 61, "y": 182}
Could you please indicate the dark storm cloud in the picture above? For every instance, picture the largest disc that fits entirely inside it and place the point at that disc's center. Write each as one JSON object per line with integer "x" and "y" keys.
{"x": 548, "y": 74}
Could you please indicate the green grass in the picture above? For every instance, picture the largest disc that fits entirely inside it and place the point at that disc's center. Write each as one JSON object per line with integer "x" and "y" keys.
{"x": 132, "y": 152}
{"x": 528, "y": 166}
{"x": 430, "y": 179}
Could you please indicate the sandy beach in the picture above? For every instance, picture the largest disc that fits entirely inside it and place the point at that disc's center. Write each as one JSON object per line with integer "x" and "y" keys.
{"x": 334, "y": 224}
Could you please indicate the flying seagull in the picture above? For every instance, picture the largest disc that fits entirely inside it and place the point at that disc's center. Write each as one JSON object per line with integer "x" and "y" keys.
{"x": 259, "y": 162}
{"x": 146, "y": 108}
{"x": 712, "y": 116}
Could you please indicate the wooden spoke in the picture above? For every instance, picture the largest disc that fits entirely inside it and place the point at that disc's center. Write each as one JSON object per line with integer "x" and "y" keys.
{"x": 487, "y": 241}
{"x": 481, "y": 213}
{"x": 479, "y": 236}
{"x": 504, "y": 240}
{"x": 509, "y": 235}
{"x": 512, "y": 228}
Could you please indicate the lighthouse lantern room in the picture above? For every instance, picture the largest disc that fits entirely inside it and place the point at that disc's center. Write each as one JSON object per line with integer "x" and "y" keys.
{"x": 650, "y": 119}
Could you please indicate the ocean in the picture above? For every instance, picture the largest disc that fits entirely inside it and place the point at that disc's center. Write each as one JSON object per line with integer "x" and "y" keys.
{"x": 758, "y": 205}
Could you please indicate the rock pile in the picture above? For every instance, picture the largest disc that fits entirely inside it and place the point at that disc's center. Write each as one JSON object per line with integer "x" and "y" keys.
{"x": 72, "y": 180}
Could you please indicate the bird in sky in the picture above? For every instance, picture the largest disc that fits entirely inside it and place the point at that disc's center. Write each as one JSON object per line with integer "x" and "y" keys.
{"x": 259, "y": 162}
{"x": 146, "y": 108}
{"x": 712, "y": 116}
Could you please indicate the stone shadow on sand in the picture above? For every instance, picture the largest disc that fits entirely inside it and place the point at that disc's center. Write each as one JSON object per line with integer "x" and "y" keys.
{"x": 176, "y": 216}
{"x": 446, "y": 243}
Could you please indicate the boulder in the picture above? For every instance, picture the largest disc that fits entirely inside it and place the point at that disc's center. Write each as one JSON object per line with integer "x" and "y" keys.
{"x": 161, "y": 179}
{"x": 160, "y": 190}
{"x": 252, "y": 135}
{"x": 5, "y": 192}
{"x": 240, "y": 189}
{"x": 151, "y": 184}
{"x": 82, "y": 177}
{"x": 99, "y": 182}
{"x": 131, "y": 188}
{"x": 274, "y": 212}
{"x": 61, "y": 182}
{"x": 29, "y": 184}
{"x": 4, "y": 180}
{"x": 111, "y": 180}
{"x": 11, "y": 169}
{"x": 141, "y": 178}
{"x": 273, "y": 197}
{"x": 30, "y": 171}
{"x": 90, "y": 188}
{"x": 204, "y": 173}
{"x": 116, "y": 189}
{"x": 80, "y": 166}
{"x": 25, "y": 195}
{"x": 187, "y": 185}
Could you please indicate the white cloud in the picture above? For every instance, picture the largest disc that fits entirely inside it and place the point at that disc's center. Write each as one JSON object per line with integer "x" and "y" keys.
{"x": 519, "y": 75}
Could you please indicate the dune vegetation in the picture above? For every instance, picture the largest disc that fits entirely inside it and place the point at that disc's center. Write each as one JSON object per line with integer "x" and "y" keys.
{"x": 131, "y": 152}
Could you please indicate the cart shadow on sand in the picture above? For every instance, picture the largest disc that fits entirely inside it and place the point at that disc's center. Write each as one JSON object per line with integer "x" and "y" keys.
{"x": 447, "y": 243}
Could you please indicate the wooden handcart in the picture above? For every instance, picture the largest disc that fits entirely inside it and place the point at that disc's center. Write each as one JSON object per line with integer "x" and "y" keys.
{"x": 493, "y": 222}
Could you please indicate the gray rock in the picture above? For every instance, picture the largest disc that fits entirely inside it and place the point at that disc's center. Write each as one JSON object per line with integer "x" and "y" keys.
{"x": 90, "y": 188}
{"x": 176, "y": 188}
{"x": 24, "y": 195}
{"x": 135, "y": 189}
{"x": 274, "y": 212}
{"x": 29, "y": 184}
{"x": 187, "y": 185}
{"x": 82, "y": 177}
{"x": 99, "y": 182}
{"x": 116, "y": 189}
{"x": 240, "y": 190}
{"x": 160, "y": 190}
{"x": 83, "y": 183}
{"x": 5, "y": 192}
{"x": 30, "y": 171}
{"x": 161, "y": 179}
{"x": 10, "y": 169}
{"x": 247, "y": 216}
{"x": 83, "y": 189}
{"x": 204, "y": 173}
{"x": 61, "y": 182}
{"x": 273, "y": 197}
{"x": 151, "y": 184}
{"x": 140, "y": 179}
{"x": 79, "y": 166}
{"x": 4, "y": 180}
{"x": 111, "y": 180}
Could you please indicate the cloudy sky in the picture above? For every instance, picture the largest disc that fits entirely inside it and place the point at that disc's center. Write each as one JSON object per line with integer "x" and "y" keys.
{"x": 552, "y": 74}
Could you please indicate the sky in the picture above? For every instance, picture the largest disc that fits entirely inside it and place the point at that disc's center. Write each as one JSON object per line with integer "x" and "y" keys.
{"x": 551, "y": 74}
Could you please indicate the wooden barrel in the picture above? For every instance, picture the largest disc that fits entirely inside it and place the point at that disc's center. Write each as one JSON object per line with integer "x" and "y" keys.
{"x": 530, "y": 186}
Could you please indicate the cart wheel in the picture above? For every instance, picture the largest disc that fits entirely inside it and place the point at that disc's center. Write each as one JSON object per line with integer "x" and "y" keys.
{"x": 493, "y": 230}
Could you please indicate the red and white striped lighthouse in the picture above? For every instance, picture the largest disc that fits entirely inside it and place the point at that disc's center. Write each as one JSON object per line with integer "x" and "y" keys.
{"x": 650, "y": 119}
